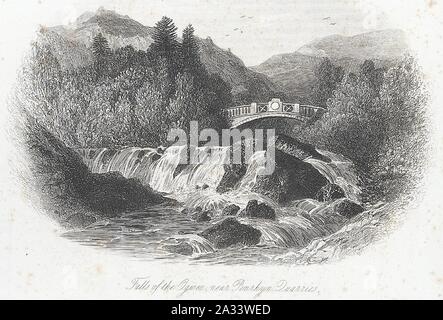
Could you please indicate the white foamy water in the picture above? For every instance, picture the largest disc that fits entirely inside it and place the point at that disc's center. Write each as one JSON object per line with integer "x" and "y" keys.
{"x": 296, "y": 226}
{"x": 339, "y": 171}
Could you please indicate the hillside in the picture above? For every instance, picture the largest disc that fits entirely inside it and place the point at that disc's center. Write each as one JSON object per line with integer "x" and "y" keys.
{"x": 378, "y": 45}
{"x": 72, "y": 46}
{"x": 294, "y": 72}
{"x": 232, "y": 70}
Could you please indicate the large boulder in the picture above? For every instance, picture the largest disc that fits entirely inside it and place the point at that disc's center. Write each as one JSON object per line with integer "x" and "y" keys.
{"x": 230, "y": 210}
{"x": 233, "y": 174}
{"x": 181, "y": 248}
{"x": 298, "y": 149}
{"x": 70, "y": 193}
{"x": 255, "y": 210}
{"x": 230, "y": 232}
{"x": 201, "y": 216}
{"x": 111, "y": 193}
{"x": 329, "y": 192}
{"x": 348, "y": 209}
{"x": 291, "y": 180}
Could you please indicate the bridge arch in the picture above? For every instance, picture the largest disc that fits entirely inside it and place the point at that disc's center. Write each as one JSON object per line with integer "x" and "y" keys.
{"x": 238, "y": 122}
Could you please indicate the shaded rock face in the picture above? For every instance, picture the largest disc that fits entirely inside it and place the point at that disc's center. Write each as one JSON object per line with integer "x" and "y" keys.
{"x": 255, "y": 210}
{"x": 201, "y": 216}
{"x": 230, "y": 232}
{"x": 298, "y": 149}
{"x": 182, "y": 248}
{"x": 111, "y": 193}
{"x": 346, "y": 208}
{"x": 80, "y": 220}
{"x": 329, "y": 192}
{"x": 230, "y": 210}
{"x": 70, "y": 193}
{"x": 292, "y": 179}
{"x": 233, "y": 174}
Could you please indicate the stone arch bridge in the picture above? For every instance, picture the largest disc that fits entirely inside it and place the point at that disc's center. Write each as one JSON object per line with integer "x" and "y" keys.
{"x": 273, "y": 109}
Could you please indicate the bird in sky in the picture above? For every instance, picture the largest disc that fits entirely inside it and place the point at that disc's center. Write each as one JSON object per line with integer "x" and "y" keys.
{"x": 227, "y": 35}
{"x": 326, "y": 18}
{"x": 235, "y": 29}
{"x": 243, "y": 16}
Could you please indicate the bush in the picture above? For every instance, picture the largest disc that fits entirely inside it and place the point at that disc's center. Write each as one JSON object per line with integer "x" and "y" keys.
{"x": 125, "y": 97}
{"x": 379, "y": 125}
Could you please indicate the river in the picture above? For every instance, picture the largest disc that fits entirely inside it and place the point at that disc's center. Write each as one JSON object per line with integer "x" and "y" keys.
{"x": 164, "y": 232}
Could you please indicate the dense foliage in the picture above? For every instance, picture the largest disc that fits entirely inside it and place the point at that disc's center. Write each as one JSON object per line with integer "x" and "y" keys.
{"x": 377, "y": 119}
{"x": 375, "y": 116}
{"x": 126, "y": 97}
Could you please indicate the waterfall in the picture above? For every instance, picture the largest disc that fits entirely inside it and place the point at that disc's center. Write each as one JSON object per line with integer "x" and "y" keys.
{"x": 194, "y": 185}
{"x": 160, "y": 172}
{"x": 339, "y": 171}
{"x": 256, "y": 164}
{"x": 159, "y": 175}
{"x": 209, "y": 172}
{"x": 157, "y": 170}
{"x": 126, "y": 161}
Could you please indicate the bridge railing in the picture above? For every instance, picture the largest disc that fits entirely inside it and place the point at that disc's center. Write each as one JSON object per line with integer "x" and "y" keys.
{"x": 239, "y": 111}
{"x": 254, "y": 108}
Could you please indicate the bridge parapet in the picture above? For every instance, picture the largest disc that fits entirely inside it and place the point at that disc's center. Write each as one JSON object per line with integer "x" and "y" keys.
{"x": 275, "y": 107}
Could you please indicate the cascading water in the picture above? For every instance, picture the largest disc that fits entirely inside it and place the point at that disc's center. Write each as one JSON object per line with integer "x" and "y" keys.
{"x": 157, "y": 170}
{"x": 194, "y": 185}
{"x": 339, "y": 171}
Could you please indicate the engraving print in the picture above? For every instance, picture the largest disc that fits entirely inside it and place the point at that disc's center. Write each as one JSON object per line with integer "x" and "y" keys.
{"x": 157, "y": 141}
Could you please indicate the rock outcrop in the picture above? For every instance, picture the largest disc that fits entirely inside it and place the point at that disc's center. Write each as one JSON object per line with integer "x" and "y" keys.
{"x": 201, "y": 216}
{"x": 348, "y": 209}
{"x": 329, "y": 192}
{"x": 298, "y": 149}
{"x": 230, "y": 232}
{"x": 233, "y": 174}
{"x": 255, "y": 210}
{"x": 291, "y": 180}
{"x": 183, "y": 248}
{"x": 230, "y": 210}
{"x": 70, "y": 193}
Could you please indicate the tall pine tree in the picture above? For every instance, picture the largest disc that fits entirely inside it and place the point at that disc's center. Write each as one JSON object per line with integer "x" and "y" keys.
{"x": 190, "y": 51}
{"x": 102, "y": 52}
{"x": 165, "y": 38}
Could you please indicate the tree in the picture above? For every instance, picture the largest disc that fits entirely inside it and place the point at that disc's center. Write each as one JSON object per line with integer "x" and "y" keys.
{"x": 95, "y": 129}
{"x": 41, "y": 81}
{"x": 165, "y": 38}
{"x": 328, "y": 77}
{"x": 372, "y": 75}
{"x": 189, "y": 51}
{"x": 150, "y": 115}
{"x": 403, "y": 98}
{"x": 102, "y": 52}
{"x": 75, "y": 95}
{"x": 352, "y": 124}
{"x": 122, "y": 126}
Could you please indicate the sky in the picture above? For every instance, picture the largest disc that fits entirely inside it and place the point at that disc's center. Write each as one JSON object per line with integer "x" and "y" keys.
{"x": 254, "y": 30}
